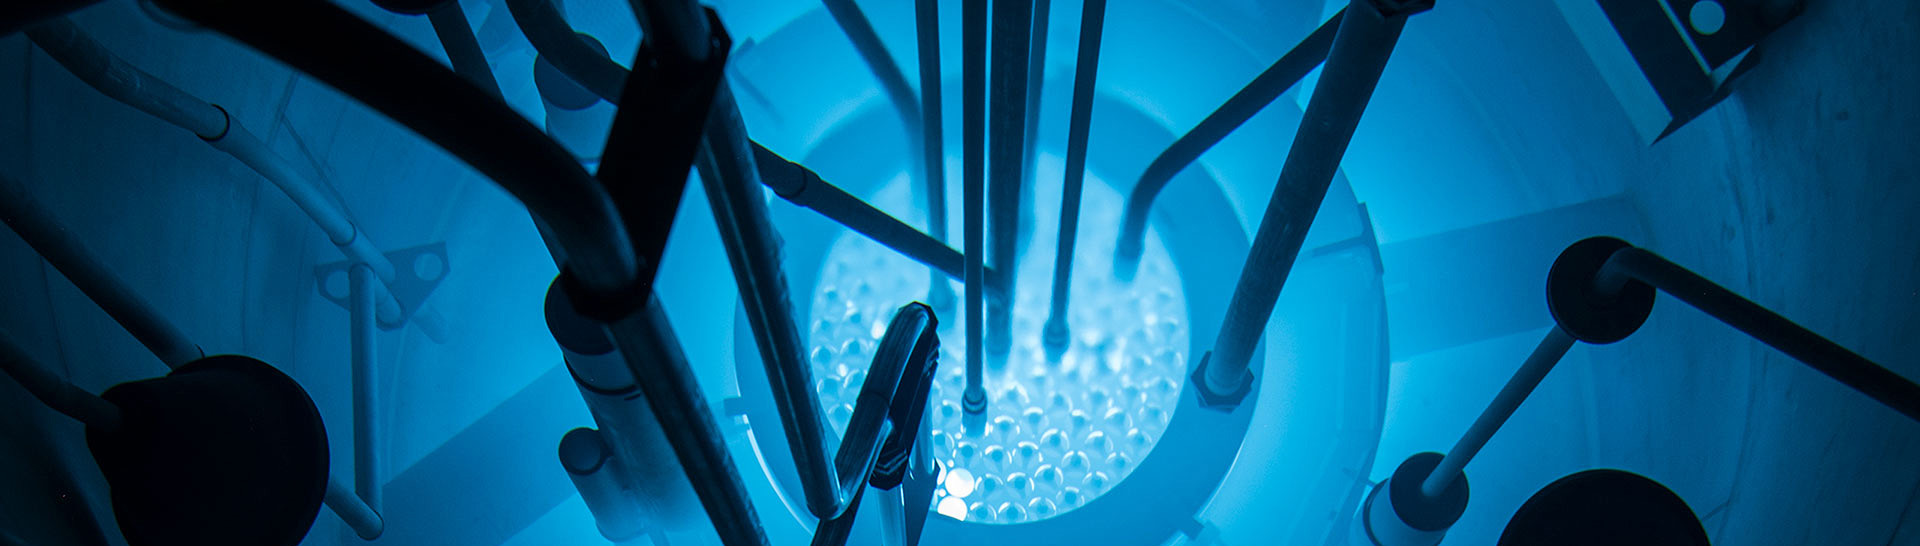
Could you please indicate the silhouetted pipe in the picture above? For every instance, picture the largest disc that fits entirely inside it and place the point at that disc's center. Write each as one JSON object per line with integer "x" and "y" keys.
{"x": 1036, "y": 80}
{"x": 362, "y": 330}
{"x": 112, "y": 76}
{"x": 1012, "y": 24}
{"x": 20, "y": 211}
{"x": 926, "y": 15}
{"x": 893, "y": 81}
{"x": 1086, "y": 68}
{"x": 1817, "y": 352}
{"x": 973, "y": 94}
{"x": 20, "y": 14}
{"x": 1359, "y": 53}
{"x": 56, "y": 393}
{"x": 1544, "y": 357}
{"x": 801, "y": 186}
{"x": 463, "y": 49}
{"x": 1276, "y": 79}
{"x": 379, "y": 70}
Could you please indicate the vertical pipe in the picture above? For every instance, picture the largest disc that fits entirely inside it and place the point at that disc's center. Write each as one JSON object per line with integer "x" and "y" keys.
{"x": 1036, "y": 79}
{"x": 1283, "y": 74}
{"x": 1012, "y": 22}
{"x": 1544, "y": 357}
{"x": 1086, "y": 70}
{"x": 362, "y": 327}
{"x": 1358, "y": 55}
{"x": 463, "y": 49}
{"x": 354, "y": 512}
{"x": 973, "y": 93}
{"x": 926, "y": 17}
{"x": 56, "y": 393}
{"x": 653, "y": 354}
{"x": 1817, "y": 352}
{"x": 70, "y": 256}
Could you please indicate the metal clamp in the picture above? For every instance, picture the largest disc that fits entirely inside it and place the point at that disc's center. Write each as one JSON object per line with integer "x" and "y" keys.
{"x": 418, "y": 270}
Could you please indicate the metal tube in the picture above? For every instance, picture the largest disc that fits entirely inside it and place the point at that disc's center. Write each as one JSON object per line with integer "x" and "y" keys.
{"x": 1544, "y": 357}
{"x": 1359, "y": 53}
{"x": 801, "y": 186}
{"x": 973, "y": 37}
{"x": 1086, "y": 70}
{"x": 1012, "y": 23}
{"x": 56, "y": 393}
{"x": 361, "y": 331}
{"x": 388, "y": 75}
{"x": 20, "y": 211}
{"x": 1283, "y": 74}
{"x": 1036, "y": 80}
{"x": 463, "y": 49}
{"x": 893, "y": 81}
{"x": 364, "y": 521}
{"x": 653, "y": 354}
{"x": 1817, "y": 352}
{"x": 926, "y": 17}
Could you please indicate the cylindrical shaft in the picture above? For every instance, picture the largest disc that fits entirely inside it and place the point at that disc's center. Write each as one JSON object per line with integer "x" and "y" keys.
{"x": 363, "y": 328}
{"x": 1012, "y": 25}
{"x": 556, "y": 41}
{"x": 801, "y": 186}
{"x": 1036, "y": 80}
{"x": 926, "y": 16}
{"x": 1544, "y": 357}
{"x": 56, "y": 393}
{"x": 1817, "y": 352}
{"x": 1263, "y": 90}
{"x": 365, "y": 522}
{"x": 379, "y": 70}
{"x": 20, "y": 211}
{"x": 1079, "y": 121}
{"x": 973, "y": 94}
{"x": 666, "y": 380}
{"x": 1358, "y": 55}
{"x": 893, "y": 81}
{"x": 463, "y": 49}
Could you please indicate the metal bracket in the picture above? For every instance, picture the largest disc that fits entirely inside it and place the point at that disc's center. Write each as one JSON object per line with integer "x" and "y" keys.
{"x": 416, "y": 272}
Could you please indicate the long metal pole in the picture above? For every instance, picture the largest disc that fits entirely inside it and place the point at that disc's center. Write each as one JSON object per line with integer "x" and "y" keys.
{"x": 363, "y": 328}
{"x": 1814, "y": 350}
{"x": 973, "y": 80}
{"x": 1086, "y": 69}
{"x": 1544, "y": 357}
{"x": 1036, "y": 80}
{"x": 56, "y": 393}
{"x": 20, "y": 211}
{"x": 801, "y": 186}
{"x": 1354, "y": 63}
{"x": 926, "y": 16}
{"x": 1283, "y": 74}
{"x": 463, "y": 49}
{"x": 1012, "y": 24}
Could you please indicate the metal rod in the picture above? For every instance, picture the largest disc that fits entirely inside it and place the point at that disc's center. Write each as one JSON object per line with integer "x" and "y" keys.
{"x": 1036, "y": 80}
{"x": 893, "y": 81}
{"x": 801, "y": 186}
{"x": 1283, "y": 74}
{"x": 462, "y": 48}
{"x": 377, "y": 69}
{"x": 362, "y": 328}
{"x": 926, "y": 17}
{"x": 50, "y": 389}
{"x": 653, "y": 353}
{"x": 1544, "y": 357}
{"x": 1814, "y": 350}
{"x": 1012, "y": 23}
{"x": 365, "y": 522}
{"x": 973, "y": 37}
{"x": 1086, "y": 69}
{"x": 112, "y": 76}
{"x": 20, "y": 211}
{"x": 1358, "y": 55}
